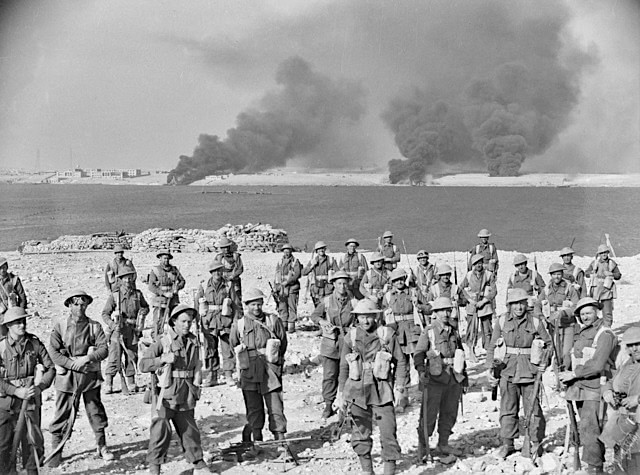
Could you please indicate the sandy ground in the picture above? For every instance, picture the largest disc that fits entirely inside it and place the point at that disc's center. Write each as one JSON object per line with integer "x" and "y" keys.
{"x": 220, "y": 413}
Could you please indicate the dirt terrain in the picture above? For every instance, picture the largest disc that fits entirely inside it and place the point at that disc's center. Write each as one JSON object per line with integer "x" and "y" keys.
{"x": 220, "y": 413}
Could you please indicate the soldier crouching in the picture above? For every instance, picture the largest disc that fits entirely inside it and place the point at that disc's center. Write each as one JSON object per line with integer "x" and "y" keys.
{"x": 176, "y": 354}
{"x": 371, "y": 357}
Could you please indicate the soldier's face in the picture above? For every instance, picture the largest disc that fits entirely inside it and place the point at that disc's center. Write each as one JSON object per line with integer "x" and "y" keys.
{"x": 423, "y": 261}
{"x": 484, "y": 240}
{"x": 341, "y": 286}
{"x": 478, "y": 266}
{"x": 78, "y": 306}
{"x": 603, "y": 256}
{"x": 351, "y": 248}
{"x": 398, "y": 284}
{"x": 226, "y": 250}
{"x": 634, "y": 351}
{"x": 556, "y": 277}
{"x": 217, "y": 275}
{"x": 445, "y": 278}
{"x": 4, "y": 270}
{"x": 377, "y": 265}
{"x": 126, "y": 282}
{"x": 182, "y": 324}
{"x": 322, "y": 251}
{"x": 567, "y": 258}
{"x": 17, "y": 328}
{"x": 254, "y": 307}
{"x": 164, "y": 260}
{"x": 367, "y": 321}
{"x": 286, "y": 253}
{"x": 522, "y": 268}
{"x": 119, "y": 255}
{"x": 588, "y": 315}
{"x": 443, "y": 315}
{"x": 519, "y": 308}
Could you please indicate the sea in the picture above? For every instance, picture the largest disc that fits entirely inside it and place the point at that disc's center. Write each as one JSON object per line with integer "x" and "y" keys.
{"x": 436, "y": 219}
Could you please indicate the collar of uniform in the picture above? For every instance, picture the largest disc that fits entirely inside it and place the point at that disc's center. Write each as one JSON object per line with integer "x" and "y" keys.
{"x": 440, "y": 328}
{"x": 526, "y": 274}
{"x": 595, "y": 325}
{"x": 427, "y": 267}
{"x": 341, "y": 299}
{"x": 13, "y": 342}
{"x": 178, "y": 340}
{"x": 215, "y": 286}
{"x": 558, "y": 286}
{"x": 520, "y": 320}
{"x": 400, "y": 292}
{"x": 478, "y": 275}
{"x": 81, "y": 318}
{"x": 167, "y": 268}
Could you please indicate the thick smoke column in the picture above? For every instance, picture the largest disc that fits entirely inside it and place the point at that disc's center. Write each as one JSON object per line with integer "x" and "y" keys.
{"x": 509, "y": 111}
{"x": 302, "y": 116}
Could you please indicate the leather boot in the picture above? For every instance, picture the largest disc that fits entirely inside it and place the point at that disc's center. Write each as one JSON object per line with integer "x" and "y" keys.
{"x": 108, "y": 384}
{"x": 366, "y": 464}
{"x": 505, "y": 449}
{"x": 328, "y": 410}
{"x": 56, "y": 460}
{"x": 390, "y": 467}
{"x": 104, "y": 453}
{"x": 131, "y": 383}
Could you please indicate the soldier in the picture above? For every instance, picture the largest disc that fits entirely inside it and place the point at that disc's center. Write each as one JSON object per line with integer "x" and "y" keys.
{"x": 479, "y": 290}
{"x": 375, "y": 281}
{"x": 288, "y": 272}
{"x": 443, "y": 287}
{"x": 524, "y": 278}
{"x": 355, "y": 265}
{"x": 233, "y": 267}
{"x": 488, "y": 252}
{"x": 218, "y": 314}
{"x": 11, "y": 292}
{"x": 555, "y": 304}
{"x": 601, "y": 274}
{"x": 389, "y": 250}
{"x": 367, "y": 391}
{"x": 334, "y": 316}
{"x": 164, "y": 283}
{"x": 125, "y": 329}
{"x": 112, "y": 269}
{"x": 27, "y": 370}
{"x": 319, "y": 270}
{"x": 425, "y": 273}
{"x": 176, "y": 352}
{"x": 517, "y": 329}
{"x": 402, "y": 312}
{"x": 440, "y": 377}
{"x": 261, "y": 342}
{"x": 590, "y": 367}
{"x": 622, "y": 393}
{"x": 77, "y": 345}
{"x": 572, "y": 272}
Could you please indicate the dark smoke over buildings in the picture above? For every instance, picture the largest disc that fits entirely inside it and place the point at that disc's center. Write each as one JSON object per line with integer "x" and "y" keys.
{"x": 307, "y": 111}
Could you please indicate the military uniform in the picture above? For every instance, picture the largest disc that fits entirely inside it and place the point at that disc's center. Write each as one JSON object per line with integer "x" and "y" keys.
{"x": 125, "y": 332}
{"x": 334, "y": 315}
{"x": 371, "y": 396}
{"x": 601, "y": 285}
{"x": 161, "y": 280}
{"x": 425, "y": 276}
{"x": 444, "y": 390}
{"x": 179, "y": 398}
{"x": 113, "y": 269}
{"x": 518, "y": 373}
{"x": 261, "y": 382}
{"x": 487, "y": 250}
{"x": 531, "y": 282}
{"x": 374, "y": 281}
{"x": 287, "y": 279}
{"x": 391, "y": 253}
{"x": 233, "y": 269}
{"x": 11, "y": 294}
{"x": 475, "y": 287}
{"x": 452, "y": 292}
{"x": 71, "y": 338}
{"x": 356, "y": 266}
{"x": 584, "y": 385}
{"x": 319, "y": 274}
{"x": 18, "y": 360}
{"x": 216, "y": 327}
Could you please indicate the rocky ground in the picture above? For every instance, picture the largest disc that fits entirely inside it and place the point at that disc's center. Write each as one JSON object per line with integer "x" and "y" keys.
{"x": 220, "y": 413}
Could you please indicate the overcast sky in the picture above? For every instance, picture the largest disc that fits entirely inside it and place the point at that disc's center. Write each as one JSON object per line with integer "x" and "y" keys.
{"x": 132, "y": 84}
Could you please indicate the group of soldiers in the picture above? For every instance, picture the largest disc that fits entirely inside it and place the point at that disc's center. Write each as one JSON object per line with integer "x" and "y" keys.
{"x": 376, "y": 322}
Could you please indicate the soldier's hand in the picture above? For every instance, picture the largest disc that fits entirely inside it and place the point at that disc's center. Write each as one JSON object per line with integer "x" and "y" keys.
{"x": 566, "y": 376}
{"x": 608, "y": 397}
{"x": 168, "y": 358}
{"x": 340, "y": 403}
{"x": 168, "y": 294}
{"x": 630, "y": 402}
{"x": 25, "y": 393}
{"x": 424, "y": 378}
{"x": 493, "y": 381}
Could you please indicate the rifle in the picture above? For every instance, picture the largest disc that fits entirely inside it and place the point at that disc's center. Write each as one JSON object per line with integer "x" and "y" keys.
{"x": 497, "y": 369}
{"x": 411, "y": 275}
{"x": 613, "y": 253}
{"x": 239, "y": 448}
{"x": 526, "y": 447}
{"x": 123, "y": 381}
{"x": 536, "y": 291}
{"x": 274, "y": 294}
{"x": 202, "y": 341}
{"x": 20, "y": 427}
{"x": 345, "y": 418}
{"x": 424, "y": 452}
{"x": 306, "y": 291}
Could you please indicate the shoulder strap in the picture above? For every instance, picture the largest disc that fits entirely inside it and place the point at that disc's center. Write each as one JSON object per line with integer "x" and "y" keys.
{"x": 576, "y": 271}
{"x": 536, "y": 322}
{"x": 600, "y": 331}
{"x": 327, "y": 302}
{"x": 534, "y": 275}
{"x": 241, "y": 329}
{"x": 501, "y": 319}
{"x": 3, "y": 347}
{"x": 492, "y": 248}
{"x": 432, "y": 337}
{"x": 352, "y": 335}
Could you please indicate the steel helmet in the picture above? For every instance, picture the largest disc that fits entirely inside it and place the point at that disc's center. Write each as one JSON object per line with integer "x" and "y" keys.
{"x": 441, "y": 303}
{"x": 484, "y": 233}
{"x": 444, "y": 269}
{"x": 517, "y": 295}
{"x": 555, "y": 267}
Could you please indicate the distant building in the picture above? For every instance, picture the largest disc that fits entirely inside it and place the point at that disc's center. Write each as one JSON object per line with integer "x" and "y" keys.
{"x": 75, "y": 173}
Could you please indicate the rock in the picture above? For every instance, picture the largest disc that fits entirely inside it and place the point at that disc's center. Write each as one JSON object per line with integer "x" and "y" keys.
{"x": 479, "y": 466}
{"x": 493, "y": 469}
{"x": 524, "y": 464}
{"x": 549, "y": 462}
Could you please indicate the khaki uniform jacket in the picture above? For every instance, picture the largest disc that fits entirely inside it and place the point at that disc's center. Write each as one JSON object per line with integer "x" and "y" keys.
{"x": 373, "y": 280}
{"x": 355, "y": 265}
{"x": 478, "y": 286}
{"x": 369, "y": 390}
{"x": 390, "y": 251}
{"x": 320, "y": 275}
{"x": 114, "y": 266}
{"x": 288, "y": 272}
{"x": 399, "y": 302}
{"x": 425, "y": 277}
{"x": 597, "y": 272}
{"x": 524, "y": 281}
{"x": 233, "y": 266}
{"x": 626, "y": 380}
{"x": 12, "y": 289}
{"x": 337, "y": 312}
{"x": 575, "y": 275}
{"x": 447, "y": 340}
{"x": 18, "y": 361}
{"x": 557, "y": 295}
{"x": 162, "y": 280}
{"x": 132, "y": 306}
{"x": 489, "y": 254}
{"x": 215, "y": 295}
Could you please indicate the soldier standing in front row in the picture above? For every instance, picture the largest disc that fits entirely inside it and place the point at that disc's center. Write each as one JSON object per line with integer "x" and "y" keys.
{"x": 233, "y": 267}
{"x": 589, "y": 369}
{"x": 355, "y": 265}
{"x": 11, "y": 292}
{"x": 27, "y": 370}
{"x": 77, "y": 346}
{"x": 164, "y": 283}
{"x": 441, "y": 377}
{"x": 176, "y": 351}
{"x": 488, "y": 252}
{"x": 517, "y": 330}
{"x": 287, "y": 279}
{"x": 334, "y": 316}
{"x": 375, "y": 281}
{"x": 602, "y": 272}
{"x": 261, "y": 342}
{"x": 125, "y": 329}
{"x": 319, "y": 270}
{"x": 366, "y": 390}
{"x": 112, "y": 269}
{"x": 217, "y": 317}
{"x": 573, "y": 273}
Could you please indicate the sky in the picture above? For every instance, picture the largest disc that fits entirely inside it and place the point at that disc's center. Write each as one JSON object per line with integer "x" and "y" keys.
{"x": 133, "y": 84}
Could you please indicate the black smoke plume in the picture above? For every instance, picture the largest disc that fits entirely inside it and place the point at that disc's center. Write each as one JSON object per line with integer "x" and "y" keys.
{"x": 523, "y": 90}
{"x": 308, "y": 110}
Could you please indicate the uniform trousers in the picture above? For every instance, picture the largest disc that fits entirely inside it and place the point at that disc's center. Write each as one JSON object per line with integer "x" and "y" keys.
{"x": 215, "y": 338}
{"x": 8, "y": 421}
{"x": 607, "y": 312}
{"x": 254, "y": 403}
{"x": 160, "y": 318}
{"x": 95, "y": 413}
{"x": 160, "y": 435}
{"x": 361, "y": 433}
{"x": 442, "y": 406}
{"x": 116, "y": 354}
{"x": 330, "y": 376}
{"x": 510, "y": 394}
{"x": 590, "y": 427}
{"x": 486, "y": 329}
{"x": 288, "y": 307}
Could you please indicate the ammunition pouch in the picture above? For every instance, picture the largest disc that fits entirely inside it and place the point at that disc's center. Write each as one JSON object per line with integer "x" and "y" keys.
{"x": 382, "y": 365}
{"x": 355, "y": 367}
